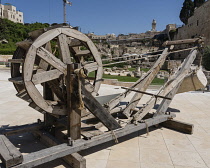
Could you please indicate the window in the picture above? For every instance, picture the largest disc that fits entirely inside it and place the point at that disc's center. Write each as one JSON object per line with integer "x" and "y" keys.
{"x": 197, "y": 22}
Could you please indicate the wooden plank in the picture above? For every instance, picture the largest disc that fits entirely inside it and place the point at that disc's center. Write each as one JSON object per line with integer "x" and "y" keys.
{"x": 62, "y": 150}
{"x": 16, "y": 61}
{"x": 75, "y": 160}
{"x": 64, "y": 49}
{"x": 46, "y": 76}
{"x": 9, "y": 154}
{"x": 179, "y": 126}
{"x": 98, "y": 111}
{"x": 51, "y": 59}
{"x": 16, "y": 80}
{"x": 8, "y": 131}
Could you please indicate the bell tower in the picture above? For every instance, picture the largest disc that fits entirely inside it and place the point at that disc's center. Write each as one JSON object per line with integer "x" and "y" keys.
{"x": 154, "y": 25}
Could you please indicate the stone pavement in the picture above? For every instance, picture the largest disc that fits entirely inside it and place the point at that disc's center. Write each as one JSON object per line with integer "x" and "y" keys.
{"x": 163, "y": 148}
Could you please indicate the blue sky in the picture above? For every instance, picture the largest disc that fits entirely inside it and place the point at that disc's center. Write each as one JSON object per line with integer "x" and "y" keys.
{"x": 103, "y": 16}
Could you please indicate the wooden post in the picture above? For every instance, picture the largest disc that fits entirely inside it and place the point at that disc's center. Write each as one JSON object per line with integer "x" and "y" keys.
{"x": 74, "y": 114}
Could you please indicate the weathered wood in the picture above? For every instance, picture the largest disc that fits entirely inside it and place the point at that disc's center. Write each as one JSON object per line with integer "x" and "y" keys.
{"x": 98, "y": 111}
{"x": 185, "y": 41}
{"x": 62, "y": 150}
{"x": 46, "y": 76}
{"x": 74, "y": 114}
{"x": 29, "y": 63}
{"x": 20, "y": 129}
{"x": 46, "y": 37}
{"x": 178, "y": 126}
{"x": 75, "y": 34}
{"x": 51, "y": 59}
{"x": 16, "y": 80}
{"x": 75, "y": 160}
{"x": 142, "y": 84}
{"x": 145, "y": 82}
{"x": 16, "y": 61}
{"x": 64, "y": 49}
{"x": 9, "y": 154}
{"x": 171, "y": 87}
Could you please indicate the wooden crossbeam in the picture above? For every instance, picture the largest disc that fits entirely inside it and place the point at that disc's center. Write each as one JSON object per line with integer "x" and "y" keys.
{"x": 59, "y": 151}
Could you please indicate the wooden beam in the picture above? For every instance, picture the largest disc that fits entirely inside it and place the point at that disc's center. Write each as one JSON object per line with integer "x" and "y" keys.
{"x": 9, "y": 154}
{"x": 185, "y": 41}
{"x": 179, "y": 126}
{"x": 75, "y": 160}
{"x": 98, "y": 110}
{"x": 20, "y": 129}
{"x": 64, "y": 49}
{"x": 51, "y": 59}
{"x": 74, "y": 113}
{"x": 46, "y": 76}
{"x": 59, "y": 151}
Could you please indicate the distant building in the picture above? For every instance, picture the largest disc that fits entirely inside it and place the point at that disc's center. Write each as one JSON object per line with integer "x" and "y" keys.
{"x": 9, "y": 12}
{"x": 154, "y": 24}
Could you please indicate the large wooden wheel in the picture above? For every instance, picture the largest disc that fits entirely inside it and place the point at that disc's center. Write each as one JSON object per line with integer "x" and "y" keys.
{"x": 44, "y": 58}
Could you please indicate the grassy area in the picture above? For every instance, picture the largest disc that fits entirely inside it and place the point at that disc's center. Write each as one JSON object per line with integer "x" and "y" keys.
{"x": 156, "y": 81}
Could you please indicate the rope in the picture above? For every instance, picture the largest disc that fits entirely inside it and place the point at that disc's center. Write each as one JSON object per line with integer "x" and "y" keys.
{"x": 114, "y": 136}
{"x": 80, "y": 74}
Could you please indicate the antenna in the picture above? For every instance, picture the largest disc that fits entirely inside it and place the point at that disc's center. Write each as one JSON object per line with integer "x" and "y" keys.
{"x": 64, "y": 9}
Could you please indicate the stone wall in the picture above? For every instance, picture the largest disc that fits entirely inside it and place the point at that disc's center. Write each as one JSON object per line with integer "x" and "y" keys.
{"x": 198, "y": 24}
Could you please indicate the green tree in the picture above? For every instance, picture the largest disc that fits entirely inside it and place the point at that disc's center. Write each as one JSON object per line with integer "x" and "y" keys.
{"x": 186, "y": 11}
{"x": 206, "y": 58}
{"x": 198, "y": 3}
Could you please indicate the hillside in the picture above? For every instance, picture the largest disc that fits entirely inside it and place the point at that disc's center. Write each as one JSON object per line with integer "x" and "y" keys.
{"x": 15, "y": 32}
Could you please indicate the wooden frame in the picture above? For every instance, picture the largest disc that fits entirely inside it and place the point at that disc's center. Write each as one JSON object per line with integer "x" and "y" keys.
{"x": 77, "y": 98}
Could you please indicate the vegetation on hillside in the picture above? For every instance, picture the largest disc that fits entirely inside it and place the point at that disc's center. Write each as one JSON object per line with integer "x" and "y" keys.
{"x": 15, "y": 32}
{"x": 206, "y": 58}
{"x": 188, "y": 9}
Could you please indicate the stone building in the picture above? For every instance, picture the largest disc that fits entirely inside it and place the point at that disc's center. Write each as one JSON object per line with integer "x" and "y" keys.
{"x": 9, "y": 12}
{"x": 198, "y": 24}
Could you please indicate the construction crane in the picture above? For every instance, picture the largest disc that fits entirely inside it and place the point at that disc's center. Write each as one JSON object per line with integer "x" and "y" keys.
{"x": 64, "y": 9}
